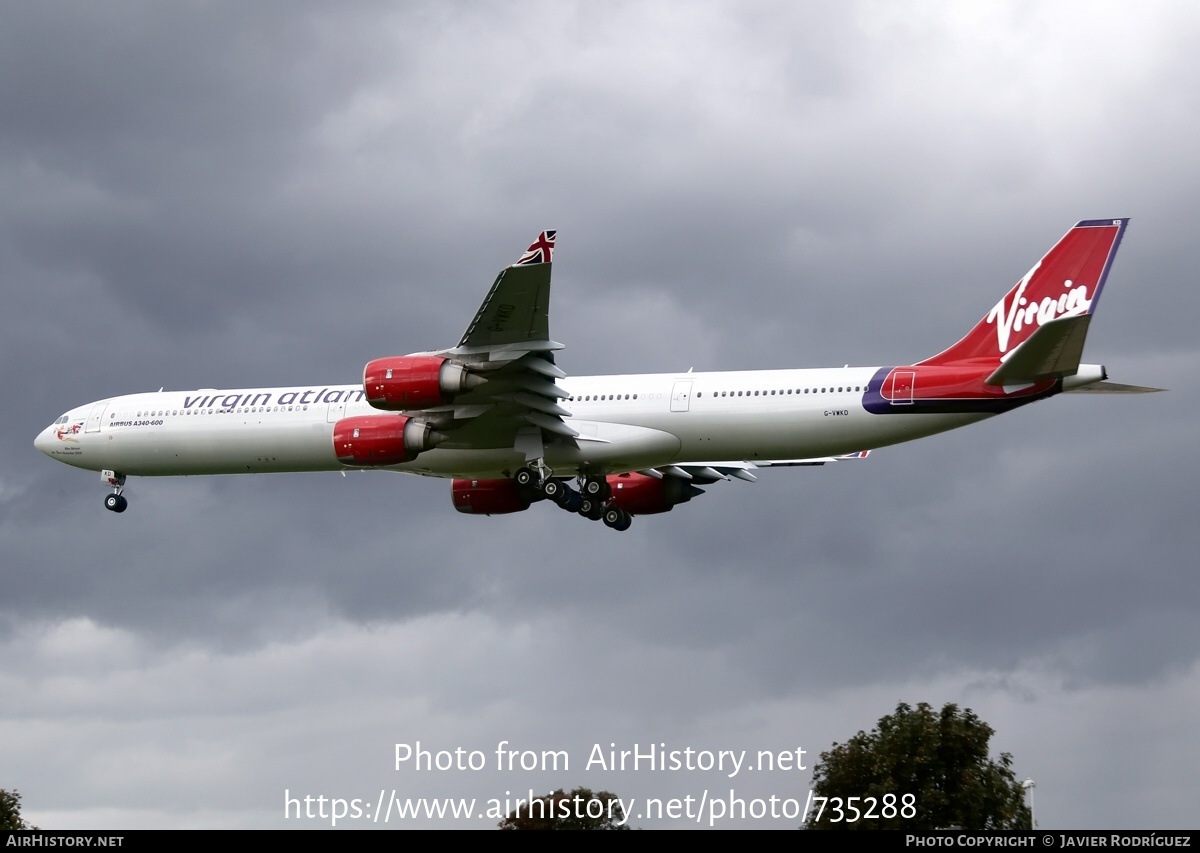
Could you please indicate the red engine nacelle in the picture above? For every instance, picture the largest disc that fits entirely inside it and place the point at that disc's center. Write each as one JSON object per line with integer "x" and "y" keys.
{"x": 641, "y": 494}
{"x": 415, "y": 381}
{"x": 488, "y": 497}
{"x": 382, "y": 439}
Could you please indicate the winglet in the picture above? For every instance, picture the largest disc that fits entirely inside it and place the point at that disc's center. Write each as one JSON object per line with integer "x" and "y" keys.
{"x": 540, "y": 251}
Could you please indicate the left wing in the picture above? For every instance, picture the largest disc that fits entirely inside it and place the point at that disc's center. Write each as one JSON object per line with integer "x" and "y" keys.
{"x": 508, "y": 344}
{"x": 514, "y": 317}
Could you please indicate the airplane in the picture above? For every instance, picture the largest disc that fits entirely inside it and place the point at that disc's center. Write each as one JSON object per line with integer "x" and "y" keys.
{"x": 498, "y": 417}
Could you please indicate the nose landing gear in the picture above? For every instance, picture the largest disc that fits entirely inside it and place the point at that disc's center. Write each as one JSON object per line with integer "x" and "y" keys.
{"x": 116, "y": 502}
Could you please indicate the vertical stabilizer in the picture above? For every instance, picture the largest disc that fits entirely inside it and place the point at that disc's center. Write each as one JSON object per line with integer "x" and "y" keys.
{"x": 1065, "y": 283}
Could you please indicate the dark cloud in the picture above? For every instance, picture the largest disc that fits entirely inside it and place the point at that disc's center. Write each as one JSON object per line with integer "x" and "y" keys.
{"x": 219, "y": 196}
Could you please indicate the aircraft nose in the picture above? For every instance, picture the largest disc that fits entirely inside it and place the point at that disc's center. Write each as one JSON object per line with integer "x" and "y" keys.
{"x": 44, "y": 441}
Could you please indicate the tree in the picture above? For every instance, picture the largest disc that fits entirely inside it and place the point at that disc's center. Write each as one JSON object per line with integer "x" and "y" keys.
{"x": 941, "y": 759}
{"x": 580, "y": 809}
{"x": 10, "y": 811}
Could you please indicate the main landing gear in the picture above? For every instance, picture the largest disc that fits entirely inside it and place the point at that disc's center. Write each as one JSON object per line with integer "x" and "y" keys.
{"x": 591, "y": 500}
{"x": 116, "y": 502}
{"x": 597, "y": 504}
{"x": 539, "y": 485}
{"x": 617, "y": 518}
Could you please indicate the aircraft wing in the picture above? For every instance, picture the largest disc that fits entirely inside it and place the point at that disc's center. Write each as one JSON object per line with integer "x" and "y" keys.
{"x": 514, "y": 317}
{"x": 710, "y": 472}
{"x": 508, "y": 343}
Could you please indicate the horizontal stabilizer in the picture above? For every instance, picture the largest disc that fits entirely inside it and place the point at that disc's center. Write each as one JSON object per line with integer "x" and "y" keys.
{"x": 1051, "y": 352}
{"x": 1113, "y": 388}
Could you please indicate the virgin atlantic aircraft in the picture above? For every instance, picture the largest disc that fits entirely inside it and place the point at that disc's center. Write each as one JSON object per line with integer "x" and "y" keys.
{"x": 496, "y": 416}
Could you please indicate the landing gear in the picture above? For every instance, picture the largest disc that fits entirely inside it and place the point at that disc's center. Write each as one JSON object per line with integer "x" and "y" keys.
{"x": 596, "y": 503}
{"x": 537, "y": 482}
{"x": 596, "y": 487}
{"x": 591, "y": 508}
{"x": 562, "y": 494}
{"x": 617, "y": 518}
{"x": 116, "y": 502}
{"x": 571, "y": 500}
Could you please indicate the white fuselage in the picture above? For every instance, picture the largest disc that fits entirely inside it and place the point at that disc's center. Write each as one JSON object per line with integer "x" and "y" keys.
{"x": 624, "y": 423}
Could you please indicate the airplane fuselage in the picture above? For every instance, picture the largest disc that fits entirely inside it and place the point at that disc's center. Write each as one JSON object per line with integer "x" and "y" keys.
{"x": 625, "y": 423}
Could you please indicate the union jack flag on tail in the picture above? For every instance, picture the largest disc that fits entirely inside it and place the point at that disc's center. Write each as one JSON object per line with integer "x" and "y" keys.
{"x": 541, "y": 251}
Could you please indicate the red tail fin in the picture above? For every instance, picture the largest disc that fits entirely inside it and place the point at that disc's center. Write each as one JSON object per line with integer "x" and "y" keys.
{"x": 1065, "y": 283}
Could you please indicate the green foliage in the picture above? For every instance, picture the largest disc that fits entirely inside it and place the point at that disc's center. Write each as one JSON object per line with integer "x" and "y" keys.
{"x": 941, "y": 758}
{"x": 579, "y": 809}
{"x": 10, "y": 811}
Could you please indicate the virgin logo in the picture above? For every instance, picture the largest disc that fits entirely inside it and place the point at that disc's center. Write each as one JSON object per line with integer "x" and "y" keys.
{"x": 1022, "y": 312}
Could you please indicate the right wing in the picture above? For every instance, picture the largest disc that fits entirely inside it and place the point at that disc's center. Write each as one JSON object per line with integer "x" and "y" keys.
{"x": 709, "y": 472}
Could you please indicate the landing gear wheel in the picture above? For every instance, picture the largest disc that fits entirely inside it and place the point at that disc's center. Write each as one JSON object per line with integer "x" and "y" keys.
{"x": 591, "y": 508}
{"x": 525, "y": 477}
{"x": 617, "y": 518}
{"x": 597, "y": 488}
{"x": 568, "y": 498}
{"x": 554, "y": 490}
{"x": 116, "y": 503}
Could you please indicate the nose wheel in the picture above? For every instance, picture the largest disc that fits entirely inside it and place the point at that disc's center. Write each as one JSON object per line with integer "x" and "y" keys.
{"x": 116, "y": 502}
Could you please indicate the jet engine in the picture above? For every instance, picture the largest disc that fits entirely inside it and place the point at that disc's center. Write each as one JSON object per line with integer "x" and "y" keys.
{"x": 371, "y": 440}
{"x": 641, "y": 494}
{"x": 415, "y": 381}
{"x": 489, "y": 497}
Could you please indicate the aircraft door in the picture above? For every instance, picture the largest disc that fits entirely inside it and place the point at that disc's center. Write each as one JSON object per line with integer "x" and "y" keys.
{"x": 337, "y": 411}
{"x": 94, "y": 418}
{"x": 903, "y": 383}
{"x": 681, "y": 395}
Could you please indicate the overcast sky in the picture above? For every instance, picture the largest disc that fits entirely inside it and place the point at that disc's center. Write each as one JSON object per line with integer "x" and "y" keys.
{"x": 232, "y": 195}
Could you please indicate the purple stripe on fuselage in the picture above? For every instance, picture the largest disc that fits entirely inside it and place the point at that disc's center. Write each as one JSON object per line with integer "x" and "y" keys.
{"x": 875, "y": 403}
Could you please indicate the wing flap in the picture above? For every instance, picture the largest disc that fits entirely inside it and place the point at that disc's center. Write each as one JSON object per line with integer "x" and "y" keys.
{"x": 550, "y": 424}
{"x": 537, "y": 403}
